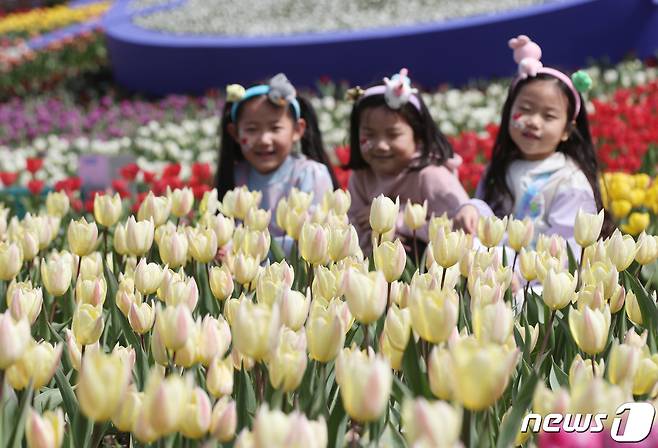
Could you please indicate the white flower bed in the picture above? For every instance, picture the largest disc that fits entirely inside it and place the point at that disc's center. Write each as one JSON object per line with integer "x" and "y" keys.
{"x": 274, "y": 17}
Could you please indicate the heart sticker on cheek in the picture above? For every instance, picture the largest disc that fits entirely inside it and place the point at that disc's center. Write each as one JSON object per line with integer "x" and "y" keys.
{"x": 245, "y": 144}
{"x": 517, "y": 122}
{"x": 365, "y": 144}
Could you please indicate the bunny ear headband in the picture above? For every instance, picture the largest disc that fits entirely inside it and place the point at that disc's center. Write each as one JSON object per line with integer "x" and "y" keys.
{"x": 528, "y": 54}
{"x": 397, "y": 91}
{"x": 279, "y": 91}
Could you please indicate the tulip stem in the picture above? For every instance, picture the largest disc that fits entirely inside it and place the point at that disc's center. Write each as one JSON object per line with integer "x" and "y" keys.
{"x": 516, "y": 255}
{"x": 549, "y": 329}
{"x": 415, "y": 248}
{"x": 580, "y": 267}
{"x": 2, "y": 388}
{"x": 593, "y": 368}
{"x": 366, "y": 342}
{"x": 443, "y": 277}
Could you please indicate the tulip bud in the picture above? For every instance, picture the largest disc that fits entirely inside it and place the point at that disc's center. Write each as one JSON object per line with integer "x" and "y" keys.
{"x": 139, "y": 236}
{"x": 11, "y": 260}
{"x": 287, "y": 362}
{"x": 440, "y": 373}
{"x": 57, "y": 203}
{"x": 258, "y": 219}
{"x": 469, "y": 359}
{"x": 559, "y": 288}
{"x": 182, "y": 200}
{"x": 546, "y": 401}
{"x": 491, "y": 230}
{"x": 158, "y": 348}
{"x": 343, "y": 242}
{"x": 434, "y": 312}
{"x": 325, "y": 331}
{"x": 156, "y": 207}
{"x": 141, "y": 317}
{"x": 623, "y": 362}
{"x": 215, "y": 338}
{"x": 493, "y": 323}
{"x": 397, "y": 327}
{"x": 82, "y": 236}
{"x": 45, "y": 226}
{"x": 56, "y": 275}
{"x": 174, "y": 324}
{"x": 647, "y": 249}
{"x": 221, "y": 282}
{"x": 166, "y": 401}
{"x": 14, "y": 339}
{"x": 581, "y": 370}
{"x": 197, "y": 411}
{"x": 534, "y": 335}
{"x": 45, "y": 431}
{"x": 294, "y": 308}
{"x": 621, "y": 250}
{"x": 366, "y": 294}
{"x": 447, "y": 248}
{"x": 119, "y": 239}
{"x": 520, "y": 233}
{"x": 28, "y": 240}
{"x": 365, "y": 384}
{"x": 107, "y": 209}
{"x": 239, "y": 201}
{"x": 188, "y": 355}
{"x": 274, "y": 428}
{"x": 176, "y": 289}
{"x": 254, "y": 328}
{"x": 383, "y": 214}
{"x": 587, "y": 228}
{"x": 202, "y": 244}
{"x": 527, "y": 260}
{"x": 87, "y": 323}
{"x": 245, "y": 269}
{"x": 313, "y": 244}
{"x": 37, "y": 365}
{"x": 431, "y": 423}
{"x": 126, "y": 415}
{"x": 391, "y": 259}
{"x": 603, "y": 273}
{"x": 219, "y": 379}
{"x": 224, "y": 420}
{"x": 173, "y": 249}
{"x": 393, "y": 356}
{"x": 589, "y": 328}
{"x": 148, "y": 277}
{"x": 415, "y": 215}
{"x": 646, "y": 375}
{"x": 92, "y": 291}
{"x": 24, "y": 301}
{"x": 221, "y": 225}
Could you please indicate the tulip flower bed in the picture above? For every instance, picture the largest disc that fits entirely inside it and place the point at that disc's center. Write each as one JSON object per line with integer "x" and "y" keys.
{"x": 124, "y": 329}
{"x": 40, "y": 20}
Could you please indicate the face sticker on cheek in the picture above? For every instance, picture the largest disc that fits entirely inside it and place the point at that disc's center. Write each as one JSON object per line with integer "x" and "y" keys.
{"x": 365, "y": 144}
{"x": 245, "y": 143}
{"x": 517, "y": 121}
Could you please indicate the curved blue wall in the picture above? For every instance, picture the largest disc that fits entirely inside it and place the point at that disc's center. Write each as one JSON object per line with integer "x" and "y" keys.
{"x": 571, "y": 32}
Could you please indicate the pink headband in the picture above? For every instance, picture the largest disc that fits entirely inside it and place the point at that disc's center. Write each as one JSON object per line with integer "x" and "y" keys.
{"x": 528, "y": 54}
{"x": 397, "y": 91}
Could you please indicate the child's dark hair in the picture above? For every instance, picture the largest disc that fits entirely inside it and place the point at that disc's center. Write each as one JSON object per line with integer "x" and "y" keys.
{"x": 578, "y": 147}
{"x": 435, "y": 147}
{"x": 230, "y": 152}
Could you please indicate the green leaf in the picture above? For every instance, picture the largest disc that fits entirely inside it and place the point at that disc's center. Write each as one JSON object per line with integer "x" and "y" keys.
{"x": 68, "y": 397}
{"x": 400, "y": 391}
{"x": 276, "y": 250}
{"x": 559, "y": 377}
{"x": 337, "y": 425}
{"x": 416, "y": 380}
{"x": 512, "y": 423}
{"x": 573, "y": 265}
{"x": 82, "y": 428}
{"x": 393, "y": 438}
{"x": 16, "y": 439}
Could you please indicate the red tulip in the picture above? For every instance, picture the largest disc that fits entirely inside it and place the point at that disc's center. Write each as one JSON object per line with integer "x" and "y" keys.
{"x": 35, "y": 186}
{"x": 34, "y": 164}
{"x": 8, "y": 178}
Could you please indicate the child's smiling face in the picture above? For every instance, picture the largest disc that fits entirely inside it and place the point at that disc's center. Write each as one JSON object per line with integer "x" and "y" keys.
{"x": 266, "y": 133}
{"x": 538, "y": 121}
{"x": 386, "y": 140}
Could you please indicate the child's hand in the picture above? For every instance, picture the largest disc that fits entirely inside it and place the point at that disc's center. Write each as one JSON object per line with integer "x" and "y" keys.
{"x": 467, "y": 219}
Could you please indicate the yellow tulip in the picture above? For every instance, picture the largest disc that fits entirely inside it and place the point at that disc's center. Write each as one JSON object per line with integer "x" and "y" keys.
{"x": 215, "y": 338}
{"x": 37, "y": 365}
{"x": 325, "y": 330}
{"x": 343, "y": 242}
{"x": 29, "y": 241}
{"x": 438, "y": 222}
{"x": 520, "y": 233}
{"x": 637, "y": 197}
{"x": 239, "y": 201}
{"x": 491, "y": 230}
{"x": 339, "y": 201}
{"x": 494, "y": 322}
{"x": 397, "y": 327}
{"x": 182, "y": 200}
{"x": 587, "y": 227}
{"x": 219, "y": 379}
{"x": 139, "y": 236}
{"x": 24, "y": 301}
{"x": 202, "y": 244}
{"x": 637, "y": 222}
{"x": 632, "y": 308}
{"x": 221, "y": 225}
{"x": 82, "y": 237}
{"x": 156, "y": 208}
{"x": 92, "y": 291}
{"x": 224, "y": 420}
{"x": 173, "y": 249}
{"x": 415, "y": 215}
{"x": 621, "y": 250}
{"x": 623, "y": 362}
{"x": 197, "y": 412}
{"x": 107, "y": 209}
{"x": 589, "y": 328}
{"x": 126, "y": 415}
{"x": 448, "y": 247}
{"x": 254, "y": 329}
{"x": 221, "y": 282}
{"x": 294, "y": 308}
{"x": 433, "y": 423}
{"x": 313, "y": 244}
{"x": 174, "y": 325}
{"x": 166, "y": 399}
{"x": 57, "y": 203}
{"x": 45, "y": 431}
{"x": 581, "y": 370}
{"x": 141, "y": 317}
{"x": 469, "y": 359}
{"x": 646, "y": 375}
{"x": 365, "y": 384}
{"x": 527, "y": 260}
{"x": 258, "y": 219}
{"x": 383, "y": 214}
{"x": 11, "y": 260}
{"x": 647, "y": 249}
{"x": 87, "y": 323}
{"x": 14, "y": 339}
{"x": 393, "y": 356}
{"x": 366, "y": 294}
{"x": 441, "y": 373}
{"x": 604, "y": 273}
{"x": 434, "y": 312}
{"x": 273, "y": 428}
{"x": 391, "y": 259}
{"x": 287, "y": 363}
